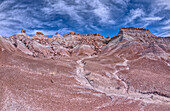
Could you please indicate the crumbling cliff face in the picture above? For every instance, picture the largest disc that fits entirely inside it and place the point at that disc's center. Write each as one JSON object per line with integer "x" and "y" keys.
{"x": 127, "y": 72}
{"x": 58, "y": 45}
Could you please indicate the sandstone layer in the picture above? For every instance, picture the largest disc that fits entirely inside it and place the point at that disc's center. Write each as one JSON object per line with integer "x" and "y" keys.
{"x": 128, "y": 72}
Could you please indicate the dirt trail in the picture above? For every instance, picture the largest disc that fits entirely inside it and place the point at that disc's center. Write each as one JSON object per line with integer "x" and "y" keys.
{"x": 148, "y": 97}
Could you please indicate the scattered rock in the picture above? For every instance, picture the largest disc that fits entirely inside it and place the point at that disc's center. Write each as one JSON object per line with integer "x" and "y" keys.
{"x": 39, "y": 33}
{"x": 23, "y": 31}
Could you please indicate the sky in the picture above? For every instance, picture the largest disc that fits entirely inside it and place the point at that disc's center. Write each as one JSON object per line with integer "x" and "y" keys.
{"x": 105, "y": 17}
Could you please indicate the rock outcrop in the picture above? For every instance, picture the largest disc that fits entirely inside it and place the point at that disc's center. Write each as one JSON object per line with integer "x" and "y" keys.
{"x": 139, "y": 41}
{"x": 23, "y": 31}
{"x": 21, "y": 46}
{"x": 58, "y": 45}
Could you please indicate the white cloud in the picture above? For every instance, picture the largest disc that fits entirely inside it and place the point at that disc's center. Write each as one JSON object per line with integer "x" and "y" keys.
{"x": 6, "y": 4}
{"x": 121, "y": 2}
{"x": 152, "y": 18}
{"x": 81, "y": 15}
{"x": 166, "y": 22}
{"x": 102, "y": 11}
{"x": 165, "y": 34}
{"x": 91, "y": 27}
{"x": 146, "y": 21}
{"x": 76, "y": 11}
{"x": 61, "y": 7}
{"x": 3, "y": 16}
{"x": 134, "y": 14}
{"x": 166, "y": 27}
{"x": 164, "y": 3}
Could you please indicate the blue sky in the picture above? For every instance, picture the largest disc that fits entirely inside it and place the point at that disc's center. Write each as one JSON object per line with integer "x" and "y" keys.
{"x": 105, "y": 17}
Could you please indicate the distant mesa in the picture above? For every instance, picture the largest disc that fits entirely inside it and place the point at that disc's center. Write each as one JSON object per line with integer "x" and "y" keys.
{"x": 57, "y": 33}
{"x": 39, "y": 33}
{"x": 97, "y": 34}
{"x": 134, "y": 28}
{"x": 74, "y": 33}
{"x": 135, "y": 32}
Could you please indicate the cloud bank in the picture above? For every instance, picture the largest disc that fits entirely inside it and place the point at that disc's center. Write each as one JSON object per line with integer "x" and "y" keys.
{"x": 84, "y": 16}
